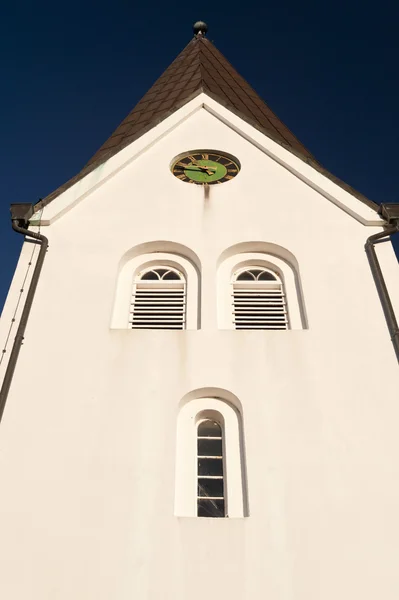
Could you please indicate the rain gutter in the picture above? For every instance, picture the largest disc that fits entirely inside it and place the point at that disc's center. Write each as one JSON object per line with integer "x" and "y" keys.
{"x": 20, "y": 215}
{"x": 390, "y": 212}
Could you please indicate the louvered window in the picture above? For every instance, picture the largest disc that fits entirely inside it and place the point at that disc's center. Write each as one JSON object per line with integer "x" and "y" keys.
{"x": 258, "y": 300}
{"x": 159, "y": 300}
{"x": 210, "y": 494}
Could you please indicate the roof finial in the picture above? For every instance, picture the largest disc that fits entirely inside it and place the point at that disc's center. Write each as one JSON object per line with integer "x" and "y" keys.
{"x": 200, "y": 28}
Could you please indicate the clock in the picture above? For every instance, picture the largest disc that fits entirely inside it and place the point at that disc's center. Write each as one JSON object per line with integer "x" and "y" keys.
{"x": 205, "y": 167}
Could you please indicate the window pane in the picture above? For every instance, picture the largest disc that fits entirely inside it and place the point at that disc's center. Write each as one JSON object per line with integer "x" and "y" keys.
{"x": 209, "y": 428}
{"x": 161, "y": 272}
{"x": 210, "y": 508}
{"x": 151, "y": 275}
{"x": 246, "y": 276}
{"x": 266, "y": 276}
{"x": 209, "y": 447}
{"x": 210, "y": 487}
{"x": 210, "y": 466}
{"x": 171, "y": 275}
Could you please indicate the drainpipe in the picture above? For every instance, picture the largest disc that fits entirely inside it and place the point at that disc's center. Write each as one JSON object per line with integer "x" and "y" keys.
{"x": 390, "y": 212}
{"x": 20, "y": 215}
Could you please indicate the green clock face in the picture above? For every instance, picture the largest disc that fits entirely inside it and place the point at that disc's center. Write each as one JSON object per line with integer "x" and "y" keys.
{"x": 205, "y": 167}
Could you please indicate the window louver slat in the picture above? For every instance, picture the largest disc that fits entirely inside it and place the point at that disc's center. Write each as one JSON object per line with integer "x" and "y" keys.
{"x": 258, "y": 304}
{"x": 158, "y": 304}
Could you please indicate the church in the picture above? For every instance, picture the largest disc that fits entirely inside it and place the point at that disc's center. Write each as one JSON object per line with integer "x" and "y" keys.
{"x": 200, "y": 352}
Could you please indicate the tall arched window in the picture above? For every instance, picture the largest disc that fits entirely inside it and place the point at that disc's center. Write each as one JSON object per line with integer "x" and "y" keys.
{"x": 258, "y": 299}
{"x": 210, "y": 457}
{"x": 210, "y": 493}
{"x": 158, "y": 299}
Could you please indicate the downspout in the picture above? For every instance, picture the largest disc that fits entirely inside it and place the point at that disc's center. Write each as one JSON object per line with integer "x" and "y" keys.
{"x": 391, "y": 214}
{"x": 20, "y": 215}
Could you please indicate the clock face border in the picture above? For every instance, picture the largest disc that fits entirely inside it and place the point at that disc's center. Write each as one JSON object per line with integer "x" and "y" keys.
{"x": 224, "y": 165}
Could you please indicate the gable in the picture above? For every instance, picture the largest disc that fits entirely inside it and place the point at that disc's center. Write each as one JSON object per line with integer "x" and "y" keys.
{"x": 199, "y": 69}
{"x": 125, "y": 157}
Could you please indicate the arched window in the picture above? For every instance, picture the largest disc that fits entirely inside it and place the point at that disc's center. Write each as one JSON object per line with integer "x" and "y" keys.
{"x": 158, "y": 299}
{"x": 258, "y": 299}
{"x": 210, "y": 492}
{"x": 261, "y": 281}
{"x": 143, "y": 272}
{"x": 210, "y": 457}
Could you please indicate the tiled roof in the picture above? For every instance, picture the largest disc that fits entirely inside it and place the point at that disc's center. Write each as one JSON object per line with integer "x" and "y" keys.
{"x": 200, "y": 67}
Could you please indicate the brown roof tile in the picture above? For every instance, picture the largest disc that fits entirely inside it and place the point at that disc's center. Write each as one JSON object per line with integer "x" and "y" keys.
{"x": 199, "y": 67}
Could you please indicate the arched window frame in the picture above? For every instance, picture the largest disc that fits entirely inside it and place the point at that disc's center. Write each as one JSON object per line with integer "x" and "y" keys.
{"x": 211, "y": 465}
{"x": 246, "y": 260}
{"x": 251, "y": 299}
{"x": 229, "y": 417}
{"x": 126, "y": 280}
{"x": 158, "y": 299}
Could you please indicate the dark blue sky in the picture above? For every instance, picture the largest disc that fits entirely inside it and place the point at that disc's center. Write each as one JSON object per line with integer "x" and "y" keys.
{"x": 71, "y": 72}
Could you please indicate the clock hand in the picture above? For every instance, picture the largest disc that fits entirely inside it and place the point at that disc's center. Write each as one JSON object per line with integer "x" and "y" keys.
{"x": 203, "y": 167}
{"x": 208, "y": 170}
{"x": 198, "y": 169}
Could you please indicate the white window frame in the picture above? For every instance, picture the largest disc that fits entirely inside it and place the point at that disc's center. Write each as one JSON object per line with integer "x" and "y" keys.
{"x": 256, "y": 259}
{"x": 217, "y": 418}
{"x": 186, "y": 456}
{"x": 147, "y": 296}
{"x": 250, "y": 297}
{"x": 123, "y": 295}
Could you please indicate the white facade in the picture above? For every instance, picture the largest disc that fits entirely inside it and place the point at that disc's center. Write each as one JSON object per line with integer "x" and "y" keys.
{"x": 90, "y": 459}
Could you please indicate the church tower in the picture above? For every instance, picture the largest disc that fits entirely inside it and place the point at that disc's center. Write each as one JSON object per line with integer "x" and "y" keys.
{"x": 204, "y": 401}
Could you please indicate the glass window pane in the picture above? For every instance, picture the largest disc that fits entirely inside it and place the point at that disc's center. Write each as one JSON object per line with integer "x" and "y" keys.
{"x": 151, "y": 275}
{"x": 209, "y": 428}
{"x": 209, "y": 447}
{"x": 266, "y": 276}
{"x": 161, "y": 272}
{"x": 170, "y": 276}
{"x": 210, "y": 487}
{"x": 245, "y": 276}
{"x": 210, "y": 466}
{"x": 211, "y": 508}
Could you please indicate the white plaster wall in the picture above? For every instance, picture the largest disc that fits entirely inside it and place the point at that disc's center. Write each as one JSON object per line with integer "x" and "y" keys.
{"x": 87, "y": 443}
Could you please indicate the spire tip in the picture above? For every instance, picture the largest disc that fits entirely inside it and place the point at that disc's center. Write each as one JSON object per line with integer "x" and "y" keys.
{"x": 200, "y": 28}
